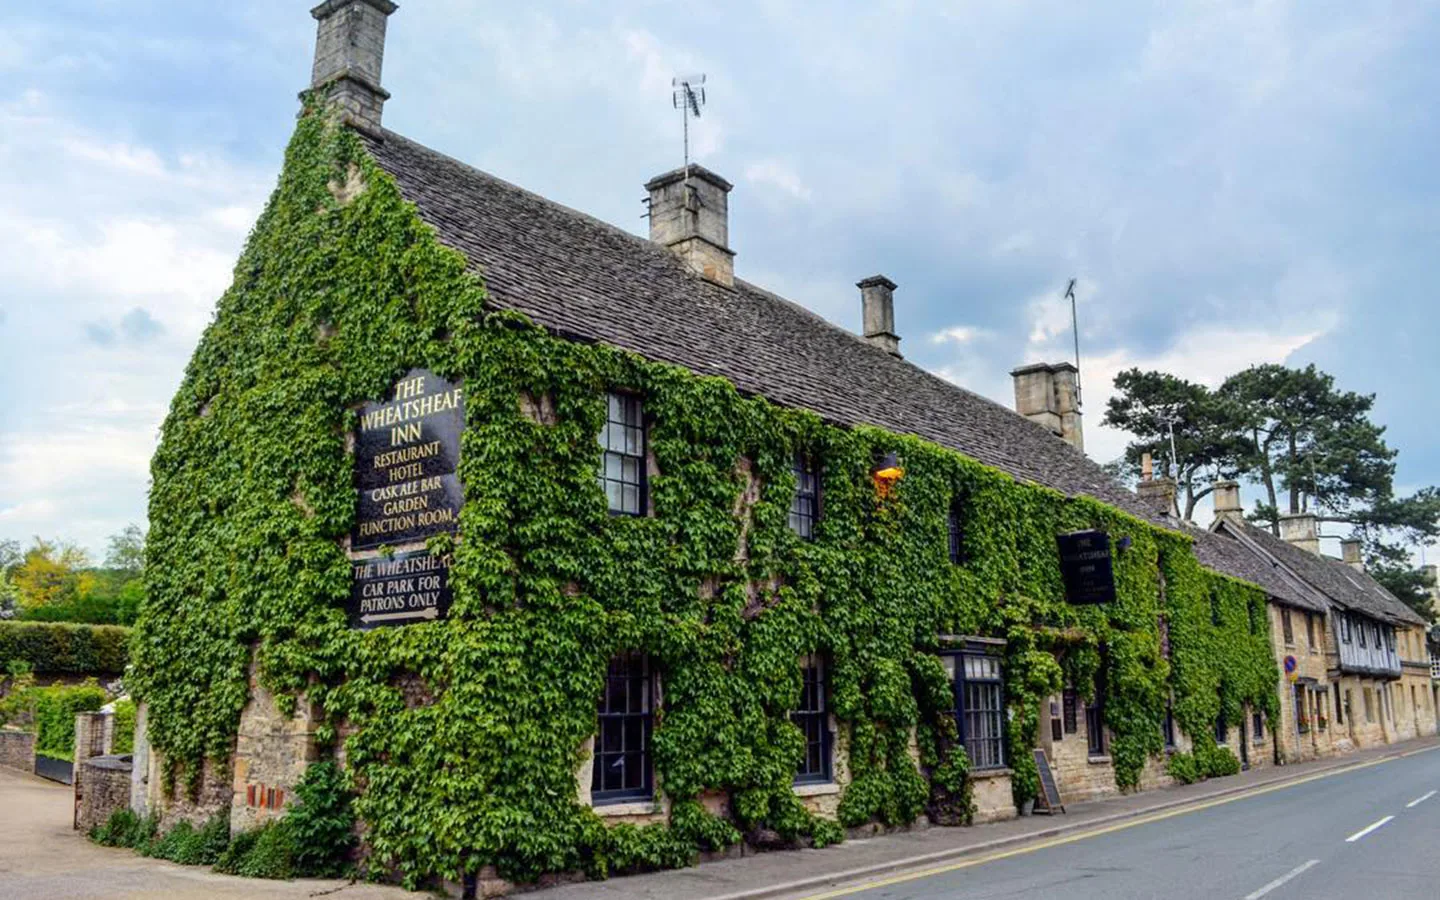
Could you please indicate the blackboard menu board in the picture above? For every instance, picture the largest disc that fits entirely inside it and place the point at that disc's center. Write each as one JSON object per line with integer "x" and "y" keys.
{"x": 1086, "y": 567}
{"x": 399, "y": 590}
{"x": 407, "y": 450}
{"x": 1049, "y": 799}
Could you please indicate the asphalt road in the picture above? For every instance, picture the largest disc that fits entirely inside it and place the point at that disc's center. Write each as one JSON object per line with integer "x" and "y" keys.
{"x": 1317, "y": 840}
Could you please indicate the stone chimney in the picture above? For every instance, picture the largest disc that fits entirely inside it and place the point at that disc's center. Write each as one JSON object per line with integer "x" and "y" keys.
{"x": 877, "y": 299}
{"x": 1047, "y": 393}
{"x": 1350, "y": 554}
{"x": 349, "y": 51}
{"x": 1301, "y": 530}
{"x": 692, "y": 218}
{"x": 1227, "y": 501}
{"x": 1159, "y": 493}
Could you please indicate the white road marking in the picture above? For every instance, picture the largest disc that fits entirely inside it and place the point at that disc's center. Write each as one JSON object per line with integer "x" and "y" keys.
{"x": 1419, "y": 800}
{"x": 1366, "y": 830}
{"x": 1281, "y": 880}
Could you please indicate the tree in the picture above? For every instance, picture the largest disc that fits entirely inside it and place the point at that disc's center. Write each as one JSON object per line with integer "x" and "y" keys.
{"x": 51, "y": 574}
{"x": 1307, "y": 441}
{"x": 126, "y": 552}
{"x": 1207, "y": 443}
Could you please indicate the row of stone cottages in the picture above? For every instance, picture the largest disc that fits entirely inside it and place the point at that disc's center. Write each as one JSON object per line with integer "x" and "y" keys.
{"x": 1350, "y": 658}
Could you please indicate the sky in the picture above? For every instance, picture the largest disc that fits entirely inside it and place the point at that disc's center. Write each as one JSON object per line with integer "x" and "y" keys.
{"x": 1230, "y": 183}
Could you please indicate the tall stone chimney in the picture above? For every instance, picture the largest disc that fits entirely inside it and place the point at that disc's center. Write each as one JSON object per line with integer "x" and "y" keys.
{"x": 692, "y": 218}
{"x": 877, "y": 299}
{"x": 1227, "y": 501}
{"x": 1158, "y": 493}
{"x": 1350, "y": 553}
{"x": 1047, "y": 393}
{"x": 349, "y": 53}
{"x": 1301, "y": 530}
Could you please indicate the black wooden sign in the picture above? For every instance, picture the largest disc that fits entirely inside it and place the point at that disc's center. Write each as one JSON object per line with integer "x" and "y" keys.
{"x": 407, "y": 450}
{"x": 1049, "y": 799}
{"x": 1086, "y": 568}
{"x": 399, "y": 590}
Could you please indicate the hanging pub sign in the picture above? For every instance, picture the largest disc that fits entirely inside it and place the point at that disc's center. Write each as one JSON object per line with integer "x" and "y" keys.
{"x": 407, "y": 450}
{"x": 1086, "y": 568}
{"x": 400, "y": 589}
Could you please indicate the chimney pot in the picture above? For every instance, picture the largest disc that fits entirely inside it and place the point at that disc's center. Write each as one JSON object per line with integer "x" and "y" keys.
{"x": 349, "y": 55}
{"x": 1160, "y": 494}
{"x": 877, "y": 299}
{"x": 1046, "y": 393}
{"x": 691, "y": 217}
{"x": 1147, "y": 466}
{"x": 1227, "y": 500}
{"x": 1301, "y": 530}
{"x": 1350, "y": 553}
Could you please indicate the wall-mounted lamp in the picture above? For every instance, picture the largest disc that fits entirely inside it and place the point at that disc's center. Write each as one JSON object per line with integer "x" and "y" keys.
{"x": 1123, "y": 543}
{"x": 887, "y": 471}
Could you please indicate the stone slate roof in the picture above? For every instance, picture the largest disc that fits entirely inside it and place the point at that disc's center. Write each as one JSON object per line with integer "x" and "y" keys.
{"x": 1344, "y": 586}
{"x": 587, "y": 280}
{"x": 1225, "y": 554}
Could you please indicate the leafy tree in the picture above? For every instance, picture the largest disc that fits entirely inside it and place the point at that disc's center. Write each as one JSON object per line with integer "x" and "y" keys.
{"x": 1207, "y": 442}
{"x": 126, "y": 551}
{"x": 51, "y": 573}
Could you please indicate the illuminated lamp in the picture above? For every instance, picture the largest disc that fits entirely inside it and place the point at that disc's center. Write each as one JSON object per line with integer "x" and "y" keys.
{"x": 887, "y": 471}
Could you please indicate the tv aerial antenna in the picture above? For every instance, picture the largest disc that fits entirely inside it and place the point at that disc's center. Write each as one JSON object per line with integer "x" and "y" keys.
{"x": 688, "y": 96}
{"x": 1075, "y": 328}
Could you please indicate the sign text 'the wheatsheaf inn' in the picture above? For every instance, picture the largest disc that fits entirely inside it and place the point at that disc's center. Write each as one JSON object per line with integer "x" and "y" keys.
{"x": 407, "y": 449}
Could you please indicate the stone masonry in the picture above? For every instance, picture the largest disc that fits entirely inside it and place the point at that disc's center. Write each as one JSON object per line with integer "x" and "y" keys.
{"x": 272, "y": 751}
{"x": 102, "y": 787}
{"x": 17, "y": 749}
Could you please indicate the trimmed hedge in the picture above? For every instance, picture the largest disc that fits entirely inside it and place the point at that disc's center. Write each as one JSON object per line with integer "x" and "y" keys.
{"x": 63, "y": 648}
{"x": 55, "y": 710}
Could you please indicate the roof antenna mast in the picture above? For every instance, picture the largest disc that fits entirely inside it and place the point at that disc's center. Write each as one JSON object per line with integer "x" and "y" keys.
{"x": 1075, "y": 328}
{"x": 688, "y": 96}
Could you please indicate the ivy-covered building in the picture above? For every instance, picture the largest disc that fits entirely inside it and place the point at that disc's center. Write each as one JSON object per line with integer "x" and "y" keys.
{"x": 579, "y": 552}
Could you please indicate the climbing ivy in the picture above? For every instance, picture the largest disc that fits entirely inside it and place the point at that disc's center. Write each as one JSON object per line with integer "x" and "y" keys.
{"x": 462, "y": 738}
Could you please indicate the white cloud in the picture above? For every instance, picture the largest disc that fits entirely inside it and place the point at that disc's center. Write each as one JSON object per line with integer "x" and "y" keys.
{"x": 774, "y": 173}
{"x": 960, "y": 334}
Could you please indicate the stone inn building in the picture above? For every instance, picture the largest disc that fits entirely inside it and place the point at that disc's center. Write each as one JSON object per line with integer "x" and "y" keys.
{"x": 580, "y": 553}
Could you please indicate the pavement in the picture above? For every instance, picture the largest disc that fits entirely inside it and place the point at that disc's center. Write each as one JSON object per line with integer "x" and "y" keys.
{"x": 43, "y": 858}
{"x": 1226, "y": 837}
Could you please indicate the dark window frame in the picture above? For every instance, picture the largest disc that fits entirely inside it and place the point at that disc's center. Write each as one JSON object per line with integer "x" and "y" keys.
{"x": 1222, "y": 728}
{"x": 1310, "y": 630}
{"x": 635, "y": 671}
{"x": 1070, "y": 704}
{"x": 1167, "y": 728}
{"x": 1257, "y": 725}
{"x": 812, "y": 716}
{"x": 802, "y": 521}
{"x": 1287, "y": 627}
{"x": 1345, "y": 629}
{"x": 980, "y": 709}
{"x": 617, "y": 448}
{"x": 1095, "y": 743}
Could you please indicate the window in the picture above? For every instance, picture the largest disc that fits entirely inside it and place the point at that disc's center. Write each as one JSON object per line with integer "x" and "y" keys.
{"x": 805, "y": 506}
{"x": 1095, "y": 724}
{"x": 1345, "y": 629}
{"x": 622, "y": 745}
{"x": 1214, "y": 608}
{"x": 1361, "y": 632}
{"x": 622, "y": 468}
{"x": 1375, "y": 633}
{"x": 956, "y": 533}
{"x": 1302, "y": 716}
{"x": 1070, "y": 701}
{"x": 1369, "y": 706}
{"x": 1222, "y": 729}
{"x": 1322, "y": 707}
{"x": 1168, "y": 729}
{"x": 982, "y": 708}
{"x": 813, "y": 719}
{"x": 1162, "y": 625}
{"x": 1310, "y": 630}
{"x": 1390, "y": 639}
{"x": 1257, "y": 725}
{"x": 1286, "y": 627}
{"x": 1339, "y": 707}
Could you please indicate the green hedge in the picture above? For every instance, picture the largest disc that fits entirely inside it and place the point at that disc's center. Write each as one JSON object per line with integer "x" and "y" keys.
{"x": 55, "y": 709}
{"x": 62, "y": 648}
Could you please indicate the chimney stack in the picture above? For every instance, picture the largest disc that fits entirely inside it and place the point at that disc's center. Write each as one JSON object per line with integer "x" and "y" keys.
{"x": 1159, "y": 493}
{"x": 349, "y": 52}
{"x": 1047, "y": 393}
{"x": 1350, "y": 554}
{"x": 1301, "y": 530}
{"x": 877, "y": 299}
{"x": 1227, "y": 501}
{"x": 692, "y": 218}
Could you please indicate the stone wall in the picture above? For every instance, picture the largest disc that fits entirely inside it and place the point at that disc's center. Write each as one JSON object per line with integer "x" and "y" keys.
{"x": 17, "y": 749}
{"x": 1312, "y": 674}
{"x": 994, "y": 801}
{"x": 1078, "y": 774}
{"x": 272, "y": 751}
{"x": 102, "y": 787}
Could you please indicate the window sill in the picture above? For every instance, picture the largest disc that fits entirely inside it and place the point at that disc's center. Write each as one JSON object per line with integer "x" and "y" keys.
{"x": 1098, "y": 760}
{"x": 987, "y": 774}
{"x": 816, "y": 789}
{"x": 627, "y": 808}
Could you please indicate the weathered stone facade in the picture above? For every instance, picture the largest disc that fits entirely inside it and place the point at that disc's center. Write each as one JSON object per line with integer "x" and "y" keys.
{"x": 272, "y": 752}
